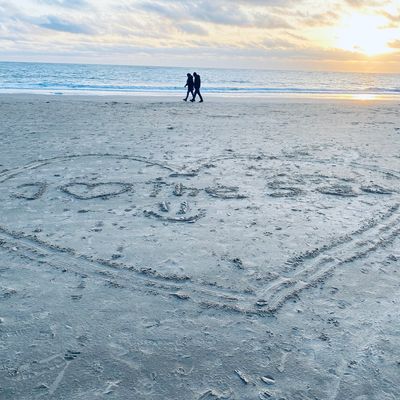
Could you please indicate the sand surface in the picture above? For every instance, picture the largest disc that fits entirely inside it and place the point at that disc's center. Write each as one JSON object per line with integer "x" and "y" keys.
{"x": 236, "y": 249}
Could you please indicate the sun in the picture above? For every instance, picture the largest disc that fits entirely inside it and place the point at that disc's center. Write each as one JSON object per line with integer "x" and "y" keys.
{"x": 365, "y": 34}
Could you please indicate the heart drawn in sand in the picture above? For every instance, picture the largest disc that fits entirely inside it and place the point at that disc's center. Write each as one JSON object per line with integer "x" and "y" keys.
{"x": 87, "y": 191}
{"x": 248, "y": 234}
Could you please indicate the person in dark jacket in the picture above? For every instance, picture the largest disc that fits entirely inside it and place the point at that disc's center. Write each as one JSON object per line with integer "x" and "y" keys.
{"x": 197, "y": 85}
{"x": 189, "y": 85}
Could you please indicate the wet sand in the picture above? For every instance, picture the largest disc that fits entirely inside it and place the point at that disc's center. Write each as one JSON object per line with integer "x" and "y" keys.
{"x": 235, "y": 249}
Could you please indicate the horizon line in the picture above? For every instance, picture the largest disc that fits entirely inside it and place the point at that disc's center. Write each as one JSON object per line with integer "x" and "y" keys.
{"x": 199, "y": 68}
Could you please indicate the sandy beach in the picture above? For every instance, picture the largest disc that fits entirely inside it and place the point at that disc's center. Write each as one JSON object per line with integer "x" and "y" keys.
{"x": 236, "y": 249}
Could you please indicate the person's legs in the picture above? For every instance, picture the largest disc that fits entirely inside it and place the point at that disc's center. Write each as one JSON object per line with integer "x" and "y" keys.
{"x": 201, "y": 97}
{"x": 187, "y": 94}
{"x": 195, "y": 94}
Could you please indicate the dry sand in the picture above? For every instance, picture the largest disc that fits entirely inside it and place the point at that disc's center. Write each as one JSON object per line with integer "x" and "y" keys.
{"x": 236, "y": 249}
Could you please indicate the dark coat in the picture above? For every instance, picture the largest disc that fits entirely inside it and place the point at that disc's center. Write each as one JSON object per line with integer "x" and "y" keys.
{"x": 197, "y": 82}
{"x": 189, "y": 83}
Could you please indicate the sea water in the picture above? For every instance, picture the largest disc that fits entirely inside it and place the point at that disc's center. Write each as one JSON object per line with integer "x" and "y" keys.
{"x": 100, "y": 79}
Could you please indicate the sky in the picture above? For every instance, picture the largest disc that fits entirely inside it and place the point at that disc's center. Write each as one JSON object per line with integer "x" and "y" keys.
{"x": 334, "y": 35}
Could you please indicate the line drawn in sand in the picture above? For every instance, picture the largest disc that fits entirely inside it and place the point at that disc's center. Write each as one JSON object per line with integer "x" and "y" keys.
{"x": 181, "y": 202}
{"x": 30, "y": 191}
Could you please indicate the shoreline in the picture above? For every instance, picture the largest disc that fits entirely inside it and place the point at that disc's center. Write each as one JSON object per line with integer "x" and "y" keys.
{"x": 214, "y": 97}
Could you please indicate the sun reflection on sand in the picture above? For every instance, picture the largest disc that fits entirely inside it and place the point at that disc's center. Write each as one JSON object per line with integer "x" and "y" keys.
{"x": 366, "y": 97}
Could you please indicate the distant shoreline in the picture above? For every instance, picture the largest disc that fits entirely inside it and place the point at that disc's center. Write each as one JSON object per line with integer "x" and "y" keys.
{"x": 174, "y": 95}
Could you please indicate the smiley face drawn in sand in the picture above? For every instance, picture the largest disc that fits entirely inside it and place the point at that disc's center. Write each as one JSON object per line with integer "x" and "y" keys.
{"x": 177, "y": 203}
{"x": 217, "y": 232}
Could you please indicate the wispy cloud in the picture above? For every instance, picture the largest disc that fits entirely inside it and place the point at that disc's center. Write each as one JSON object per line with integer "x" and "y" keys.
{"x": 220, "y": 12}
{"x": 66, "y": 3}
{"x": 367, "y": 3}
{"x": 57, "y": 24}
{"x": 395, "y": 44}
{"x": 191, "y": 28}
{"x": 394, "y": 19}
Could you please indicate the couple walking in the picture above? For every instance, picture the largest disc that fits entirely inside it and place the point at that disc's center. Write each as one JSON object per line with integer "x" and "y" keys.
{"x": 193, "y": 82}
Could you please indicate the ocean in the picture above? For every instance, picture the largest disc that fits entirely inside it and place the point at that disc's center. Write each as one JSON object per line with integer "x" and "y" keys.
{"x": 16, "y": 77}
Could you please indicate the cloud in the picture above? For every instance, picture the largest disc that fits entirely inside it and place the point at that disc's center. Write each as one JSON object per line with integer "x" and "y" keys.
{"x": 220, "y": 12}
{"x": 277, "y": 43}
{"x": 270, "y": 22}
{"x": 394, "y": 20}
{"x": 57, "y": 24}
{"x": 366, "y": 3}
{"x": 66, "y": 3}
{"x": 194, "y": 29}
{"x": 395, "y": 44}
{"x": 321, "y": 19}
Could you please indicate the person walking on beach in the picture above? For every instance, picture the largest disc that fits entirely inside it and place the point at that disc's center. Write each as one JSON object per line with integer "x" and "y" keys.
{"x": 197, "y": 85}
{"x": 189, "y": 85}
